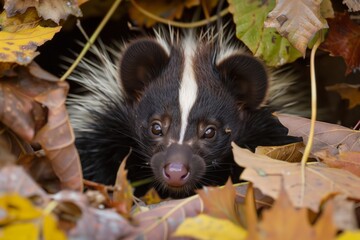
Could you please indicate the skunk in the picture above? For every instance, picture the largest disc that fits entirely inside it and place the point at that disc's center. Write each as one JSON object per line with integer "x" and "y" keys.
{"x": 178, "y": 101}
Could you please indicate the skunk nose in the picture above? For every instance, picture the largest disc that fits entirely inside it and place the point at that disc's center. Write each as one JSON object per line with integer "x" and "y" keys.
{"x": 176, "y": 174}
{"x": 176, "y": 170}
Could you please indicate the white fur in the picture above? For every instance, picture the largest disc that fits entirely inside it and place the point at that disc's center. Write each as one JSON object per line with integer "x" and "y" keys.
{"x": 188, "y": 88}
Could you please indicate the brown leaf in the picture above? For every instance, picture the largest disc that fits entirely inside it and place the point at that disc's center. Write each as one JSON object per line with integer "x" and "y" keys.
{"x": 327, "y": 136}
{"x": 162, "y": 8}
{"x": 289, "y": 153}
{"x": 33, "y": 106}
{"x": 123, "y": 194}
{"x": 324, "y": 226}
{"x": 349, "y": 161}
{"x": 344, "y": 40}
{"x": 297, "y": 20}
{"x": 284, "y": 221}
{"x": 49, "y": 9}
{"x": 344, "y": 213}
{"x": 250, "y": 214}
{"x": 220, "y": 202}
{"x": 267, "y": 174}
{"x": 347, "y": 91}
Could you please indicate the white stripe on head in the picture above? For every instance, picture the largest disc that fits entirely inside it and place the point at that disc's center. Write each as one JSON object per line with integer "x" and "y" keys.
{"x": 188, "y": 88}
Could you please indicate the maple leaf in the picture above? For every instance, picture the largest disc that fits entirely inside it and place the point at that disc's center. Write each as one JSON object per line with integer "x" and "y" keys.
{"x": 326, "y": 136}
{"x": 220, "y": 202}
{"x": 344, "y": 40}
{"x": 347, "y": 91}
{"x": 267, "y": 174}
{"x": 297, "y": 20}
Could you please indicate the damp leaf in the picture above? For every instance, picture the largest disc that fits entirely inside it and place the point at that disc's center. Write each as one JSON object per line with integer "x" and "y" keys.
{"x": 205, "y": 227}
{"x": 350, "y": 92}
{"x": 265, "y": 43}
{"x": 289, "y": 153}
{"x": 344, "y": 40}
{"x": 20, "y": 46}
{"x": 49, "y": 9}
{"x": 296, "y": 20}
{"x": 267, "y": 174}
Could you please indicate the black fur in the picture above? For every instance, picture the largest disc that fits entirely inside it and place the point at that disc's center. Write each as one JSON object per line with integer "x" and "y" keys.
{"x": 230, "y": 91}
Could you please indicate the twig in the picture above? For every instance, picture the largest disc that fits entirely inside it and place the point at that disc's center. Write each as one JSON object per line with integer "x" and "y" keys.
{"x": 92, "y": 39}
{"x": 179, "y": 24}
{"x": 313, "y": 114}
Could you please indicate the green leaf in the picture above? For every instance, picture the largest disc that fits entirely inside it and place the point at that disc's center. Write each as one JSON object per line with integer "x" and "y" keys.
{"x": 265, "y": 43}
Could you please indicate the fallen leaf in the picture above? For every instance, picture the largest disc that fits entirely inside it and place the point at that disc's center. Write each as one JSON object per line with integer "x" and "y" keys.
{"x": 327, "y": 136}
{"x": 344, "y": 213}
{"x": 151, "y": 197}
{"x": 20, "y": 47}
{"x": 349, "y": 235}
{"x": 166, "y": 9}
{"x": 220, "y": 202}
{"x": 123, "y": 194}
{"x": 297, "y": 20}
{"x": 251, "y": 215}
{"x": 344, "y": 40}
{"x": 33, "y": 104}
{"x": 205, "y": 227}
{"x": 49, "y": 9}
{"x": 350, "y": 92}
{"x": 289, "y": 153}
{"x": 267, "y": 174}
{"x": 349, "y": 161}
{"x": 324, "y": 226}
{"x": 353, "y": 5}
{"x": 27, "y": 20}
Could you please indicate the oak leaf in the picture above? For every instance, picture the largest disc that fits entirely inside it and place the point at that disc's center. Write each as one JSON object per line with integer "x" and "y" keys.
{"x": 350, "y": 92}
{"x": 297, "y": 20}
{"x": 267, "y": 174}
{"x": 344, "y": 40}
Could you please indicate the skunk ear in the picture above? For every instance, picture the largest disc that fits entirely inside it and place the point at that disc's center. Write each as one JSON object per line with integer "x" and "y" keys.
{"x": 246, "y": 78}
{"x": 142, "y": 61}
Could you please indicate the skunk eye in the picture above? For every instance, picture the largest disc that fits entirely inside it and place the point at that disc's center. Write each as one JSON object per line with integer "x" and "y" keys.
{"x": 156, "y": 128}
{"x": 209, "y": 132}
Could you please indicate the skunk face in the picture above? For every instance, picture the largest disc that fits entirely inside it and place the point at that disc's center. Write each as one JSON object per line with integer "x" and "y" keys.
{"x": 180, "y": 105}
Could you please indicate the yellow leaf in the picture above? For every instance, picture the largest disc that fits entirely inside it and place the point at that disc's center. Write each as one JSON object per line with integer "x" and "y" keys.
{"x": 22, "y": 231}
{"x": 349, "y": 235}
{"x": 204, "y": 227}
{"x": 51, "y": 230}
{"x": 20, "y": 46}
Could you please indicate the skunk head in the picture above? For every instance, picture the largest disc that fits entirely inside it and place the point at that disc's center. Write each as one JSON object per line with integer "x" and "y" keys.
{"x": 178, "y": 104}
{"x": 190, "y": 103}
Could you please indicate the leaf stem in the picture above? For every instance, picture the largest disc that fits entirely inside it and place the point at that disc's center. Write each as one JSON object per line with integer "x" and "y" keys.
{"x": 313, "y": 114}
{"x": 92, "y": 39}
{"x": 179, "y": 24}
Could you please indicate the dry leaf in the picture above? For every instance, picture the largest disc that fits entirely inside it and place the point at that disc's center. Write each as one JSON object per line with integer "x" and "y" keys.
{"x": 344, "y": 40}
{"x": 49, "y": 9}
{"x": 220, "y": 202}
{"x": 353, "y": 5}
{"x": 289, "y": 153}
{"x": 28, "y": 19}
{"x": 349, "y": 161}
{"x": 20, "y": 47}
{"x": 204, "y": 227}
{"x": 344, "y": 213}
{"x": 327, "y": 136}
{"x": 347, "y": 91}
{"x": 33, "y": 106}
{"x": 162, "y": 8}
{"x": 268, "y": 174}
{"x": 297, "y": 20}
